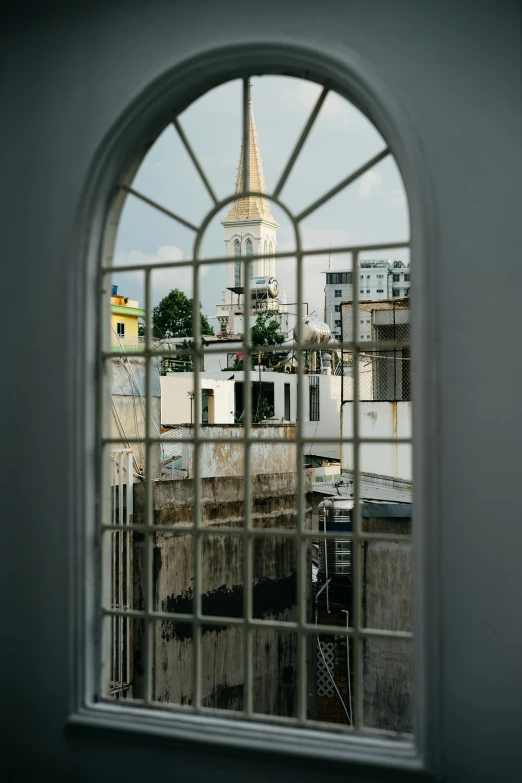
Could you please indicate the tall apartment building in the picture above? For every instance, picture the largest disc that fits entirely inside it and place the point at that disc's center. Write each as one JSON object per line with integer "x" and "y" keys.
{"x": 400, "y": 279}
{"x": 377, "y": 280}
{"x": 338, "y": 289}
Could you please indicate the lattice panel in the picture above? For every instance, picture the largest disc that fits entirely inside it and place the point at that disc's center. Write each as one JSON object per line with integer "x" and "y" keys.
{"x": 325, "y": 686}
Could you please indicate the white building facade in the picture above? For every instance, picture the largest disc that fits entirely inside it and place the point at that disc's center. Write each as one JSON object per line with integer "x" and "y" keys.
{"x": 376, "y": 280}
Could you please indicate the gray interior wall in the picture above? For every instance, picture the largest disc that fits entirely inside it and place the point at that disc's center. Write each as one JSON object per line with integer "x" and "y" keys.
{"x": 69, "y": 72}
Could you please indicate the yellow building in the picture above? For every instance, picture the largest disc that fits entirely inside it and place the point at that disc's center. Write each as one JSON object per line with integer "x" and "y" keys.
{"x": 125, "y": 315}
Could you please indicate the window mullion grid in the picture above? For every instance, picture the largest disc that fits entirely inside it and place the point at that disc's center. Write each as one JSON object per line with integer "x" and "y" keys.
{"x": 114, "y": 549}
{"x": 247, "y": 432}
{"x": 197, "y": 490}
{"x": 120, "y": 570}
{"x": 129, "y": 511}
{"x": 107, "y": 503}
{"x": 357, "y": 522}
{"x": 301, "y": 540}
{"x": 149, "y": 501}
{"x": 320, "y": 251}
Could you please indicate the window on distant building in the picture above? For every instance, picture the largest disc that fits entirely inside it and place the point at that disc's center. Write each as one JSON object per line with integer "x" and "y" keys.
{"x": 249, "y": 251}
{"x": 361, "y": 291}
{"x": 396, "y": 277}
{"x": 313, "y": 390}
{"x": 406, "y": 276}
{"x": 237, "y": 264}
{"x": 380, "y": 275}
{"x": 338, "y": 323}
{"x": 337, "y": 308}
{"x": 338, "y": 292}
{"x": 396, "y": 292}
{"x": 120, "y": 328}
{"x": 380, "y": 290}
{"x": 341, "y": 278}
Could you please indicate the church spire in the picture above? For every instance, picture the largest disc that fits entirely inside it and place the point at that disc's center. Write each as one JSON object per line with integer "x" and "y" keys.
{"x": 252, "y": 207}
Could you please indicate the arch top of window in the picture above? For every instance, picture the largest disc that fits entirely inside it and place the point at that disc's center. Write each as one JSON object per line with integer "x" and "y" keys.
{"x": 248, "y": 244}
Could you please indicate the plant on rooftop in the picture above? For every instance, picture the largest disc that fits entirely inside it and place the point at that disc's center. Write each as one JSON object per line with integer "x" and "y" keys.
{"x": 266, "y": 332}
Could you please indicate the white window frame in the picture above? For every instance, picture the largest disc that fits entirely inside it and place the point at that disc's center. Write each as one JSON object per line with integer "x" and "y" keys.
{"x": 356, "y": 81}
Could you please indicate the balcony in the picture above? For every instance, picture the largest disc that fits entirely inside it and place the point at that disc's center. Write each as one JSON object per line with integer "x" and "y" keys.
{"x": 129, "y": 343}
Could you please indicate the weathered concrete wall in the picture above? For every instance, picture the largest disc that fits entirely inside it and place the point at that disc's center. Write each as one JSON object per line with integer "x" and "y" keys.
{"x": 380, "y": 420}
{"x": 387, "y": 663}
{"x": 387, "y": 595}
{"x": 227, "y": 459}
{"x": 273, "y": 590}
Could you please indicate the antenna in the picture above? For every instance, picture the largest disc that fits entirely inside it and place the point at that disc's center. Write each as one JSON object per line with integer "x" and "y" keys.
{"x": 330, "y": 256}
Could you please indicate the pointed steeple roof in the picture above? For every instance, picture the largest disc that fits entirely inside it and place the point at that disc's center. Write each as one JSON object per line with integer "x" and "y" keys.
{"x": 252, "y": 207}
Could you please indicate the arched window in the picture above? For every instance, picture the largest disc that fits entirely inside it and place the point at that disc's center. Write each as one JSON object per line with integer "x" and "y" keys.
{"x": 273, "y": 659}
{"x": 237, "y": 264}
{"x": 249, "y": 251}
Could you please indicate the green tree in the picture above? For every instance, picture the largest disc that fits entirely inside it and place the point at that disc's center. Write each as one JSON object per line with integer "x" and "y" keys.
{"x": 172, "y": 317}
{"x": 266, "y": 331}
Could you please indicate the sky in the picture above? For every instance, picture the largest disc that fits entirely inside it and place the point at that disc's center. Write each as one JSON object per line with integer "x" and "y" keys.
{"x": 371, "y": 210}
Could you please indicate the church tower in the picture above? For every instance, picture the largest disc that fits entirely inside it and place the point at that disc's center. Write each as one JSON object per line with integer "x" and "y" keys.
{"x": 250, "y": 228}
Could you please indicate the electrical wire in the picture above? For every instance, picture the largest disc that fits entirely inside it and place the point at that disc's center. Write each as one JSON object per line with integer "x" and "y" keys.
{"x": 130, "y": 373}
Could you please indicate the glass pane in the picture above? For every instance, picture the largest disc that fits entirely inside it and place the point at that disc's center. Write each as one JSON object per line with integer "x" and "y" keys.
{"x": 251, "y": 411}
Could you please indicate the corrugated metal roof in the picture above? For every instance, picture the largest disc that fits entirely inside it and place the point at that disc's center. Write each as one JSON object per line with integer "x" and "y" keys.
{"x": 370, "y": 490}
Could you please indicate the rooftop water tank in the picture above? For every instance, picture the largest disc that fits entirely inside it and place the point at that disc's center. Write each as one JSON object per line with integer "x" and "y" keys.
{"x": 314, "y": 332}
{"x": 264, "y": 288}
{"x": 115, "y": 290}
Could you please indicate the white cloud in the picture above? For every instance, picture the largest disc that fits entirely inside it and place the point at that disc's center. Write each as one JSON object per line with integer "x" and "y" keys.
{"x": 398, "y": 198}
{"x": 164, "y": 254}
{"x": 369, "y": 181}
{"x": 163, "y": 280}
{"x": 334, "y": 108}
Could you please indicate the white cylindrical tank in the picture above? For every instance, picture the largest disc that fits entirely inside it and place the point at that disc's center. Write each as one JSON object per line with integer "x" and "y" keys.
{"x": 264, "y": 288}
{"x": 314, "y": 332}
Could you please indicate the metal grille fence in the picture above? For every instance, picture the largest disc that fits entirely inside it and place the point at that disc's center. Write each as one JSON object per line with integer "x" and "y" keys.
{"x": 383, "y": 348}
{"x": 384, "y": 372}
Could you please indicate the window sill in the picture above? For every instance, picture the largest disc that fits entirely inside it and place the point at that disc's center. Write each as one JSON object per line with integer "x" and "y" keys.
{"x": 252, "y": 735}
